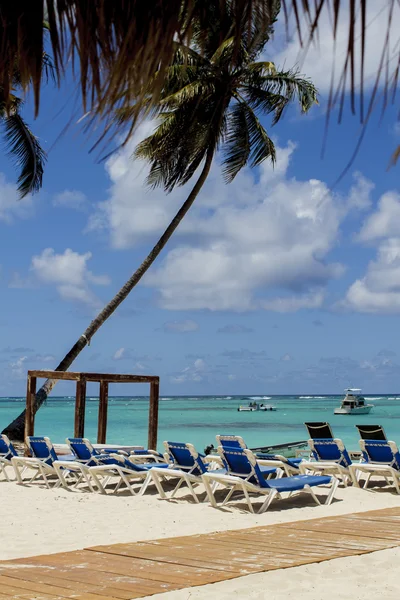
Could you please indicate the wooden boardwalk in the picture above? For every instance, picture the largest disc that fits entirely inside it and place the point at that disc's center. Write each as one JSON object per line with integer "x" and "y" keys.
{"x": 127, "y": 571}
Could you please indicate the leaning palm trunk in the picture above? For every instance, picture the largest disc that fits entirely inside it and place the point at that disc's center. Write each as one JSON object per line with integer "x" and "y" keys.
{"x": 15, "y": 430}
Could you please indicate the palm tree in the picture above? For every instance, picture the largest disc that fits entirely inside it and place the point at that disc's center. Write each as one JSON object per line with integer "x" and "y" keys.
{"x": 210, "y": 101}
{"x": 22, "y": 144}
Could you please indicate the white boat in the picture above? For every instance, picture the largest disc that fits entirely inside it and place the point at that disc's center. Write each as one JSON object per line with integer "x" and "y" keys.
{"x": 353, "y": 404}
{"x": 255, "y": 406}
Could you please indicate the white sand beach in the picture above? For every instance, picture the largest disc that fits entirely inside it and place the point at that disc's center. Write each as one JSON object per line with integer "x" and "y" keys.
{"x": 36, "y": 520}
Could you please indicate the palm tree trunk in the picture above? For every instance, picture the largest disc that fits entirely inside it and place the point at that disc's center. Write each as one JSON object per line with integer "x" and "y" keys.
{"x": 15, "y": 430}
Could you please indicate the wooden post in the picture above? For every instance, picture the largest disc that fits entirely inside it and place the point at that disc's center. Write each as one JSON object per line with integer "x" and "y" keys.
{"x": 80, "y": 408}
{"x": 103, "y": 408}
{"x": 153, "y": 414}
{"x": 30, "y": 401}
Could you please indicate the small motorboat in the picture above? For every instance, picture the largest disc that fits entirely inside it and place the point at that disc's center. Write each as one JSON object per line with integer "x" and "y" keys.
{"x": 287, "y": 450}
{"x": 353, "y": 404}
{"x": 255, "y": 406}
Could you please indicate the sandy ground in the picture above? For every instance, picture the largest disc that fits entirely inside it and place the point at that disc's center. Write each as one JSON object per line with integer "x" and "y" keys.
{"x": 35, "y": 520}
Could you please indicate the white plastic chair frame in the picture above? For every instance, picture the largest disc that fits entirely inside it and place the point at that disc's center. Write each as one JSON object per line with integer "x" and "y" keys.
{"x": 372, "y": 469}
{"x": 329, "y": 467}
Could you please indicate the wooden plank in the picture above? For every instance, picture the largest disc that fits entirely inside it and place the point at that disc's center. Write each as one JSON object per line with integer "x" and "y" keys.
{"x": 129, "y": 566}
{"x": 129, "y": 571}
{"x": 120, "y": 378}
{"x": 88, "y": 580}
{"x": 343, "y": 528}
{"x": 30, "y": 586}
{"x": 30, "y": 399}
{"x": 242, "y": 550}
{"x": 97, "y": 377}
{"x": 65, "y": 375}
{"x": 15, "y": 592}
{"x": 153, "y": 415}
{"x": 64, "y": 588}
{"x": 103, "y": 410}
{"x": 80, "y": 405}
{"x": 170, "y": 556}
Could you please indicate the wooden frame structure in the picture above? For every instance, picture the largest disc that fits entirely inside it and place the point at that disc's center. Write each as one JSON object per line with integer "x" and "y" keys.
{"x": 80, "y": 402}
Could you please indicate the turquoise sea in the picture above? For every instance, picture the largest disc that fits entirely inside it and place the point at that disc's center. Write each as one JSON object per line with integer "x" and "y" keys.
{"x": 199, "y": 419}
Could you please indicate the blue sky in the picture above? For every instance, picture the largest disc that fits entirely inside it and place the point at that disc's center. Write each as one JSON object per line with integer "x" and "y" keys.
{"x": 274, "y": 284}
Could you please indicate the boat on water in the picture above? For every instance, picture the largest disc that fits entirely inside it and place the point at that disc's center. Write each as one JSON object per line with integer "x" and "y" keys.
{"x": 255, "y": 406}
{"x": 287, "y": 450}
{"x": 353, "y": 404}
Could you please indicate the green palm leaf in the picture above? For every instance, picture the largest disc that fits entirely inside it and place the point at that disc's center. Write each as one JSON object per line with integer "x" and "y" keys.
{"x": 237, "y": 149}
{"x": 27, "y": 152}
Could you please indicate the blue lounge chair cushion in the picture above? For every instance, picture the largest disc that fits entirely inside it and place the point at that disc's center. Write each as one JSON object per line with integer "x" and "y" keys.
{"x": 380, "y": 451}
{"x": 7, "y": 450}
{"x": 123, "y": 461}
{"x": 329, "y": 450}
{"x": 298, "y": 482}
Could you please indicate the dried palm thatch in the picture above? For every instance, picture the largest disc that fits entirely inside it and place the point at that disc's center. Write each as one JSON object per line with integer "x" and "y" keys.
{"x": 118, "y": 45}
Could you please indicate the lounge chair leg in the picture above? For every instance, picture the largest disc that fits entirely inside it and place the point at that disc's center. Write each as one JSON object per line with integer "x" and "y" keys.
{"x": 98, "y": 483}
{"x": 125, "y": 479}
{"x": 145, "y": 484}
{"x": 190, "y": 486}
{"x": 86, "y": 478}
{"x": 157, "y": 482}
{"x": 246, "y": 494}
{"x": 367, "y": 481}
{"x": 176, "y": 488}
{"x": 396, "y": 483}
{"x": 43, "y": 474}
{"x": 60, "y": 474}
{"x": 18, "y": 474}
{"x": 310, "y": 491}
{"x": 271, "y": 495}
{"x": 229, "y": 494}
{"x": 331, "y": 494}
{"x": 354, "y": 476}
{"x": 210, "y": 494}
{"x": 4, "y": 471}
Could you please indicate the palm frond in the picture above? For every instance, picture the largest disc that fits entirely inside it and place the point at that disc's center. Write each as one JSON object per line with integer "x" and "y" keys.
{"x": 27, "y": 153}
{"x": 201, "y": 89}
{"x": 262, "y": 147}
{"x": 265, "y": 102}
{"x": 289, "y": 84}
{"x": 237, "y": 144}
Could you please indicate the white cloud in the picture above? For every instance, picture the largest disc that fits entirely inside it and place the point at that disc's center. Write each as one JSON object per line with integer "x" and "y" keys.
{"x": 286, "y": 304}
{"x": 43, "y": 358}
{"x": 195, "y": 372}
{"x": 18, "y": 368}
{"x": 319, "y": 60}
{"x": 385, "y": 221}
{"x": 180, "y": 326}
{"x": 119, "y": 354}
{"x": 274, "y": 234}
{"x": 70, "y": 199}
{"x": 69, "y": 273}
{"x": 379, "y": 290}
{"x": 267, "y": 233}
{"x": 11, "y": 205}
{"x": 286, "y": 358}
{"x": 235, "y": 328}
